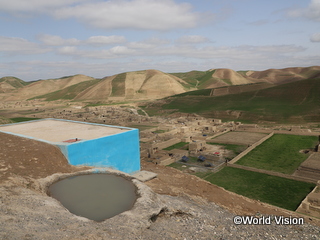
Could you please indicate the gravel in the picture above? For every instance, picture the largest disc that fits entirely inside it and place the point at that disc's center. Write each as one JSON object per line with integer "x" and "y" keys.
{"x": 29, "y": 214}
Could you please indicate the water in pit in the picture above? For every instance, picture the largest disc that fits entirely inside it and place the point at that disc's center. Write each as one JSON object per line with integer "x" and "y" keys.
{"x": 95, "y": 196}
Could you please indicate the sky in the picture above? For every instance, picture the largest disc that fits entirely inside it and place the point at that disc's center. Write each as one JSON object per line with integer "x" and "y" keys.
{"x": 44, "y": 39}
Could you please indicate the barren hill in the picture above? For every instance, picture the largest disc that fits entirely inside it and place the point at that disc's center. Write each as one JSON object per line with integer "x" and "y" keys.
{"x": 8, "y": 84}
{"x": 150, "y": 84}
{"x": 286, "y": 75}
{"x": 46, "y": 86}
{"x": 231, "y": 77}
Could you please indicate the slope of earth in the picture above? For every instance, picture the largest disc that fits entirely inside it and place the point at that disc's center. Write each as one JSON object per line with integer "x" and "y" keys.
{"x": 286, "y": 75}
{"x": 148, "y": 84}
{"x": 28, "y": 213}
{"x": 69, "y": 93}
{"x": 292, "y": 102}
{"x": 214, "y": 78}
{"x": 42, "y": 87}
{"x": 28, "y": 158}
{"x": 231, "y": 77}
{"x": 8, "y": 84}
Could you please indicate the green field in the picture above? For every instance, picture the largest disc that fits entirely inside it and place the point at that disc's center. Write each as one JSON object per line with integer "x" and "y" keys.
{"x": 22, "y": 119}
{"x": 177, "y": 145}
{"x": 277, "y": 191}
{"x": 280, "y": 153}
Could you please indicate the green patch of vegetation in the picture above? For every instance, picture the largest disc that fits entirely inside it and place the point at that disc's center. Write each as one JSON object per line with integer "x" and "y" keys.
{"x": 202, "y": 92}
{"x": 190, "y": 77}
{"x": 140, "y": 112}
{"x": 243, "y": 73}
{"x": 177, "y": 165}
{"x": 160, "y": 131}
{"x": 206, "y": 79}
{"x": 14, "y": 82}
{"x": 281, "y": 192}
{"x": 105, "y": 104}
{"x": 118, "y": 85}
{"x": 22, "y": 119}
{"x": 174, "y": 146}
{"x": 142, "y": 127}
{"x": 280, "y": 153}
{"x": 227, "y": 81}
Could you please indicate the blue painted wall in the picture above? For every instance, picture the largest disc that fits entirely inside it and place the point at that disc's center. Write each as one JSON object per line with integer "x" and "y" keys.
{"x": 120, "y": 151}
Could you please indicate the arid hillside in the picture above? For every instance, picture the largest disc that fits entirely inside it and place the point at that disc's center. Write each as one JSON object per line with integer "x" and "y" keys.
{"x": 45, "y": 86}
{"x": 148, "y": 84}
{"x": 8, "y": 84}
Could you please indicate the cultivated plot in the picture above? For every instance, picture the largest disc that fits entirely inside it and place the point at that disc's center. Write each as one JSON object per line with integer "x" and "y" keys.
{"x": 280, "y": 153}
{"x": 281, "y": 192}
{"x": 239, "y": 138}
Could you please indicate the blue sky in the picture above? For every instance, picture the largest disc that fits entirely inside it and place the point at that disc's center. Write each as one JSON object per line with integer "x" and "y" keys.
{"x": 42, "y": 39}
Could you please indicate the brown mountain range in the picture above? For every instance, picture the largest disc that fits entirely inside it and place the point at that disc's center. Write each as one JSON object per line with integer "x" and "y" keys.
{"x": 147, "y": 84}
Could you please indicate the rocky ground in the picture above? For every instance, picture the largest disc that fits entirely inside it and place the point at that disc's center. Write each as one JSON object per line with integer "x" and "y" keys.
{"x": 180, "y": 206}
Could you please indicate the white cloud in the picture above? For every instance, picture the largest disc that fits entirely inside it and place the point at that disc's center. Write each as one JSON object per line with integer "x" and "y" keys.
{"x": 53, "y": 40}
{"x": 14, "y": 6}
{"x": 149, "y": 43}
{"x": 192, "y": 39}
{"x": 105, "y": 40}
{"x": 315, "y": 37}
{"x": 136, "y": 14}
{"x": 311, "y": 12}
{"x": 68, "y": 50}
{"x": 121, "y": 50}
{"x": 17, "y": 46}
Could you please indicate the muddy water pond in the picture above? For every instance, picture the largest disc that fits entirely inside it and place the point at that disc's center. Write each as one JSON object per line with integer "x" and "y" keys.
{"x": 95, "y": 196}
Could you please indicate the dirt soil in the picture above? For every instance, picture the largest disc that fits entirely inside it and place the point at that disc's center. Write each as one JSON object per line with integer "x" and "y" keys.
{"x": 24, "y": 160}
{"x": 28, "y": 158}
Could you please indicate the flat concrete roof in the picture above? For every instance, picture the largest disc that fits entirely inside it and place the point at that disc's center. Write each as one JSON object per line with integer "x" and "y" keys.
{"x": 60, "y": 130}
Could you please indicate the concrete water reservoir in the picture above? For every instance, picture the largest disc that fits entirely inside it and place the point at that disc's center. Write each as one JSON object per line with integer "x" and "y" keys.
{"x": 95, "y": 196}
{"x": 85, "y": 143}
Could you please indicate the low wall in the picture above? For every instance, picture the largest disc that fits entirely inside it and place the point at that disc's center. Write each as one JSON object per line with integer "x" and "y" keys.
{"x": 301, "y": 133}
{"x": 253, "y": 146}
{"x": 298, "y": 178}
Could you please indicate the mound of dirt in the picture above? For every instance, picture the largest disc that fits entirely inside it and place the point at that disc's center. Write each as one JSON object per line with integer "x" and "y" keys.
{"x": 28, "y": 158}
